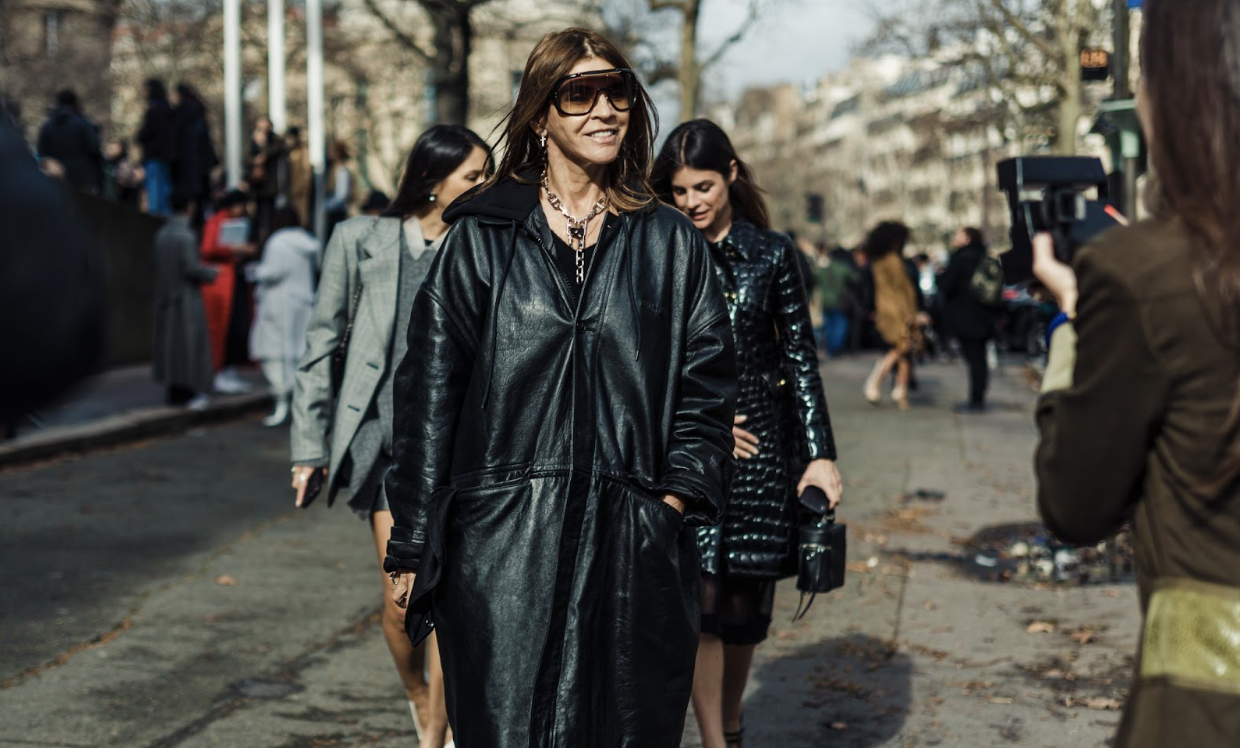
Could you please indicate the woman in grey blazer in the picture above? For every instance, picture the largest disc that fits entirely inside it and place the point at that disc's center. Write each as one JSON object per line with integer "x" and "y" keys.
{"x": 372, "y": 270}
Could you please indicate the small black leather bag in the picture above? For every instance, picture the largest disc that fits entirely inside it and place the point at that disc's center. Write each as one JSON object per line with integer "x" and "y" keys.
{"x": 822, "y": 551}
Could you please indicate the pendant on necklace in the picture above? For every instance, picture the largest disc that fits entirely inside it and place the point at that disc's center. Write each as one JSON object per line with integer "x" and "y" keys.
{"x": 577, "y": 233}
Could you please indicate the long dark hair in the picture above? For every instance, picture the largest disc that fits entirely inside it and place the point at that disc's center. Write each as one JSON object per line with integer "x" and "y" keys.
{"x": 189, "y": 98}
{"x": 1190, "y": 58}
{"x": 554, "y": 57}
{"x": 440, "y": 151}
{"x": 885, "y": 238}
{"x": 703, "y": 145}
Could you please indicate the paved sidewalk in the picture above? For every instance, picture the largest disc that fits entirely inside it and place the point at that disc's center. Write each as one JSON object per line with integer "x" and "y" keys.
{"x": 267, "y": 636}
{"x": 118, "y": 406}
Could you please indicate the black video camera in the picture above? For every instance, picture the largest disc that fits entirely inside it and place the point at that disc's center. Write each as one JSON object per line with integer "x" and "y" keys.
{"x": 1047, "y": 193}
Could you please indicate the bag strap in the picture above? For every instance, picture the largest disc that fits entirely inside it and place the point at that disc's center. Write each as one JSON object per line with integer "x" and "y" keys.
{"x": 802, "y": 613}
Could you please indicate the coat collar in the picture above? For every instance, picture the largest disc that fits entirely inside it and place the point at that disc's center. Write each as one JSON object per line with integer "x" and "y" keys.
{"x": 744, "y": 237}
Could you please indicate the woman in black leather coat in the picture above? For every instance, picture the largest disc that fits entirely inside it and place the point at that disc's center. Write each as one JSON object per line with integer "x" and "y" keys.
{"x": 563, "y": 412}
{"x": 785, "y": 444}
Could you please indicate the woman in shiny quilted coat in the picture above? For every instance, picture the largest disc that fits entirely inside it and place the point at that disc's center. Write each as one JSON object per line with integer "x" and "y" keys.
{"x": 783, "y": 432}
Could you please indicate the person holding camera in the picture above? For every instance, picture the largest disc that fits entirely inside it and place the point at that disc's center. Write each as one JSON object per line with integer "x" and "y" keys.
{"x": 1140, "y": 418}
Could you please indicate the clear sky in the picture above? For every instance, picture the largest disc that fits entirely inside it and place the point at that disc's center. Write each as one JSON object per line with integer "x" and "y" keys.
{"x": 795, "y": 41}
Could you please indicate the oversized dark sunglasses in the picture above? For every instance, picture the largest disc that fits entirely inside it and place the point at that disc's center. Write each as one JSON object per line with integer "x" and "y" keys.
{"x": 576, "y": 95}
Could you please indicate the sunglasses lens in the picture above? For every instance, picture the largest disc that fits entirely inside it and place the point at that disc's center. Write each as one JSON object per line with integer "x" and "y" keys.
{"x": 580, "y": 95}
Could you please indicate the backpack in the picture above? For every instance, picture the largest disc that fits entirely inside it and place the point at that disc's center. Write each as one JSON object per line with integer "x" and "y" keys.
{"x": 987, "y": 281}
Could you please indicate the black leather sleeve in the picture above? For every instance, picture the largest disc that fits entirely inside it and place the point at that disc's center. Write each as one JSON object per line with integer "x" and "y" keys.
{"x": 796, "y": 335}
{"x": 428, "y": 393}
{"x": 699, "y": 464}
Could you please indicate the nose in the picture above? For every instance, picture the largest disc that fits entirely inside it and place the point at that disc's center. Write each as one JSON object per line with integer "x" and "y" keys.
{"x": 603, "y": 108}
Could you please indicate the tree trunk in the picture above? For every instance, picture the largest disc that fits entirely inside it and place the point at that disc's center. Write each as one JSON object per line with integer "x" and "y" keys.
{"x": 689, "y": 73}
{"x": 1071, "y": 88}
{"x": 449, "y": 73}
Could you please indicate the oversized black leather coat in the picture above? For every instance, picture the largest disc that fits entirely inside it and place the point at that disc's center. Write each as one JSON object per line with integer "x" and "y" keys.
{"x": 780, "y": 392}
{"x": 533, "y": 442}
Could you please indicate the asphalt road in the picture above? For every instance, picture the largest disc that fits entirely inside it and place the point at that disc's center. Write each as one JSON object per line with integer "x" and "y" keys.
{"x": 167, "y": 595}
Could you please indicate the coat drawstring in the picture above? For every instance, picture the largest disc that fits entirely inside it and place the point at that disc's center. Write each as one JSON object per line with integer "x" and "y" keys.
{"x": 495, "y": 298}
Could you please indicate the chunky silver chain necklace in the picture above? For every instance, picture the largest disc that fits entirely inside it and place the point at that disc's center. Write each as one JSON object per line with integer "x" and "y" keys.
{"x": 576, "y": 226}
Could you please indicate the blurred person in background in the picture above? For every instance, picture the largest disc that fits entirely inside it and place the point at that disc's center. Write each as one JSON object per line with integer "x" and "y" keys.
{"x": 158, "y": 138}
{"x": 283, "y": 300}
{"x": 372, "y": 271}
{"x": 299, "y": 186}
{"x": 123, "y": 176}
{"x": 340, "y": 185}
{"x": 969, "y": 321}
{"x": 783, "y": 437}
{"x": 895, "y": 310}
{"x": 1139, "y": 411}
{"x": 51, "y": 282}
{"x": 182, "y": 351}
{"x": 375, "y": 203}
{"x": 195, "y": 153}
{"x": 220, "y": 296}
{"x": 70, "y": 139}
{"x": 263, "y": 174}
{"x": 837, "y": 279}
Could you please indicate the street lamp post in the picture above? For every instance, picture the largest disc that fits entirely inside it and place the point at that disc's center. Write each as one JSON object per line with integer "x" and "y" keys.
{"x": 314, "y": 105}
{"x": 278, "y": 108}
{"x": 232, "y": 91}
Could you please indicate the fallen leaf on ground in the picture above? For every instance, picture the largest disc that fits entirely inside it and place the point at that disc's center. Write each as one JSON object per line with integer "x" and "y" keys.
{"x": 1083, "y": 636}
{"x": 1001, "y": 700}
{"x": 857, "y": 567}
{"x": 226, "y": 580}
{"x": 1040, "y": 627}
{"x": 1103, "y": 703}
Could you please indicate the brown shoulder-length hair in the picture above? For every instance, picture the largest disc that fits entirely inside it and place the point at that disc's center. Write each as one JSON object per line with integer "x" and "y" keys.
{"x": 701, "y": 144}
{"x": 1190, "y": 57}
{"x": 553, "y": 58}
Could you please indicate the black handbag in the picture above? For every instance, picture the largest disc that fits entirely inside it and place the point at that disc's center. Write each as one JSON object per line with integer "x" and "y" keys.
{"x": 821, "y": 553}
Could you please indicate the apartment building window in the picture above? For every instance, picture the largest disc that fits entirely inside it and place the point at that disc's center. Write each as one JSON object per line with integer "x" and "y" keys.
{"x": 53, "y": 22}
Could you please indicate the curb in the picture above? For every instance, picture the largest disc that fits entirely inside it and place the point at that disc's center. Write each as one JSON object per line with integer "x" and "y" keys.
{"x": 125, "y": 428}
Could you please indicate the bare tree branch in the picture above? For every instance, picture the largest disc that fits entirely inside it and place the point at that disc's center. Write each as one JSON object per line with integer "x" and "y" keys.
{"x": 1020, "y": 27}
{"x": 736, "y": 36}
{"x": 406, "y": 40}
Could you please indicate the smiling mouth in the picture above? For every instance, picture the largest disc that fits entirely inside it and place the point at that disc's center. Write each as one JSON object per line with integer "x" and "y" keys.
{"x": 604, "y": 134}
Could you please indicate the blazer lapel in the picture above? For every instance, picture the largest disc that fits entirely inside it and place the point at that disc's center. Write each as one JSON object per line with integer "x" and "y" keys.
{"x": 380, "y": 272}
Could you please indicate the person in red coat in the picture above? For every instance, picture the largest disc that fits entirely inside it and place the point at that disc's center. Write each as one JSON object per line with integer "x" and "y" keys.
{"x": 217, "y": 296}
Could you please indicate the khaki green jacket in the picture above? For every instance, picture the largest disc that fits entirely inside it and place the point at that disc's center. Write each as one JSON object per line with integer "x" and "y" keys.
{"x": 1134, "y": 428}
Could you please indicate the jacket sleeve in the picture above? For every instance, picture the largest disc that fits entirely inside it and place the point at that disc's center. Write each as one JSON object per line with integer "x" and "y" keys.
{"x": 274, "y": 267}
{"x": 796, "y": 335}
{"x": 191, "y": 269}
{"x": 1097, "y": 433}
{"x": 698, "y": 466}
{"x": 429, "y": 391}
{"x": 312, "y": 393}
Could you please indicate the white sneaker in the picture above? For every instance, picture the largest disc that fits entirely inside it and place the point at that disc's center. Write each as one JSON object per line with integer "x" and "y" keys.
{"x": 198, "y": 403}
{"x": 229, "y": 384}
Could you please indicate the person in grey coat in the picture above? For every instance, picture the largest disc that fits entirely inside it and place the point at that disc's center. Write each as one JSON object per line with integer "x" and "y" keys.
{"x": 283, "y": 302}
{"x": 182, "y": 354}
{"x": 372, "y": 270}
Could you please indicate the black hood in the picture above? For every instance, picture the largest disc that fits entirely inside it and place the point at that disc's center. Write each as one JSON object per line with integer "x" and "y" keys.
{"x": 510, "y": 199}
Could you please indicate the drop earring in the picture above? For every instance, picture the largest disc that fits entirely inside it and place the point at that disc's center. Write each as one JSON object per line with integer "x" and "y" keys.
{"x": 542, "y": 141}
